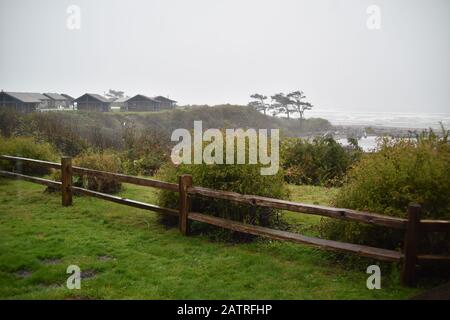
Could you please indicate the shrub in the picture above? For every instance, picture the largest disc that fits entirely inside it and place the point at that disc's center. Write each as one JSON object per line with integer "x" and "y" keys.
{"x": 9, "y": 122}
{"x": 401, "y": 172}
{"x": 146, "y": 151}
{"x": 104, "y": 161}
{"x": 150, "y": 164}
{"x": 242, "y": 178}
{"x": 321, "y": 161}
{"x": 26, "y": 147}
{"x": 62, "y": 129}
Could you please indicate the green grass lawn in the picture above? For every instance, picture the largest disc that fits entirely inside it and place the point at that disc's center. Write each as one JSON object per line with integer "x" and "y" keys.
{"x": 126, "y": 254}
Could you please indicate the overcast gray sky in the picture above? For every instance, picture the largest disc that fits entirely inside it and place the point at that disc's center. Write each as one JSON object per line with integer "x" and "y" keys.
{"x": 221, "y": 51}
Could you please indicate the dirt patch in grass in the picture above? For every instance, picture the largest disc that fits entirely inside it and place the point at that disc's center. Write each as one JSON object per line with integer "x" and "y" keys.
{"x": 24, "y": 273}
{"x": 51, "y": 261}
{"x": 87, "y": 274}
{"x": 51, "y": 286}
{"x": 105, "y": 258}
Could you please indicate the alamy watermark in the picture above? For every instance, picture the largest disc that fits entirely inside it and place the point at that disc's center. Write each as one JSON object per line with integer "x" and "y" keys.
{"x": 74, "y": 280}
{"x": 192, "y": 150}
{"x": 374, "y": 280}
{"x": 374, "y": 17}
{"x": 73, "y": 21}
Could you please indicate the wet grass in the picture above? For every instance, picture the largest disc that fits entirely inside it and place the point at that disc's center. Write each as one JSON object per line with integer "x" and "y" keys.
{"x": 125, "y": 254}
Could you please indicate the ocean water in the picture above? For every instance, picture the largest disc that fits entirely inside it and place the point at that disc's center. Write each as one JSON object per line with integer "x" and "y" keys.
{"x": 368, "y": 144}
{"x": 384, "y": 119}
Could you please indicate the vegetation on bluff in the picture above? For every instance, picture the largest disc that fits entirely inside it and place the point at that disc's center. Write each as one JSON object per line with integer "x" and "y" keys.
{"x": 321, "y": 161}
{"x": 75, "y": 132}
{"x": 387, "y": 181}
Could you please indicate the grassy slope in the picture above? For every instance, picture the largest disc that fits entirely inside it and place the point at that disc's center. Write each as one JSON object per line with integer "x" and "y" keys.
{"x": 134, "y": 257}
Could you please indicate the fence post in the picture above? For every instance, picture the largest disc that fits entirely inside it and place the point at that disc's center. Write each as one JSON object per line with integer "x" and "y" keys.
{"x": 410, "y": 246}
{"x": 66, "y": 181}
{"x": 185, "y": 181}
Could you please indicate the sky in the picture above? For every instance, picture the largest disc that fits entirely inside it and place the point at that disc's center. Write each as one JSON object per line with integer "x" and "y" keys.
{"x": 222, "y": 51}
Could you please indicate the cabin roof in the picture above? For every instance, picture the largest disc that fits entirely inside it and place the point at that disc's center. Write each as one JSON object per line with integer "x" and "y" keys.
{"x": 27, "y": 97}
{"x": 123, "y": 99}
{"x": 161, "y": 98}
{"x": 67, "y": 96}
{"x": 143, "y": 96}
{"x": 95, "y": 96}
{"x": 55, "y": 96}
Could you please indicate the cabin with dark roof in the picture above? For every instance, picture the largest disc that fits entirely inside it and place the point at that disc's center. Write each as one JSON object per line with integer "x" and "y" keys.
{"x": 93, "y": 102}
{"x": 69, "y": 99}
{"x": 120, "y": 103}
{"x": 142, "y": 103}
{"x": 22, "y": 101}
{"x": 165, "y": 103}
{"x": 57, "y": 100}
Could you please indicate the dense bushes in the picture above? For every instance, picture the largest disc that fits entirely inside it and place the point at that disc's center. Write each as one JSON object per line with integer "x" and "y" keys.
{"x": 9, "y": 122}
{"x": 242, "y": 178}
{"x": 321, "y": 161}
{"x": 401, "y": 172}
{"x": 26, "y": 147}
{"x": 75, "y": 132}
{"x": 146, "y": 151}
{"x": 104, "y": 161}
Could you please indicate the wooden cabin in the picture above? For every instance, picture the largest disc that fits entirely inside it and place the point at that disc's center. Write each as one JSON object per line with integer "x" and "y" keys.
{"x": 120, "y": 103}
{"x": 93, "y": 102}
{"x": 70, "y": 100}
{"x": 142, "y": 103}
{"x": 57, "y": 101}
{"x": 22, "y": 101}
{"x": 165, "y": 103}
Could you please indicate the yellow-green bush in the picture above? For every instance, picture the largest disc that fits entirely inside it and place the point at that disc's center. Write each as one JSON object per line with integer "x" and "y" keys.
{"x": 26, "y": 147}
{"x": 321, "y": 161}
{"x": 104, "y": 161}
{"x": 242, "y": 178}
{"x": 386, "y": 182}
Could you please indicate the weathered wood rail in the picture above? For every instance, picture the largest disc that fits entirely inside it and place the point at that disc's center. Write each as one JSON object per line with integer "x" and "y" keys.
{"x": 413, "y": 226}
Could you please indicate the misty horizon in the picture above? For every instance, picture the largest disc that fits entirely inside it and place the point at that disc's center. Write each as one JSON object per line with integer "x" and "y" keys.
{"x": 204, "y": 52}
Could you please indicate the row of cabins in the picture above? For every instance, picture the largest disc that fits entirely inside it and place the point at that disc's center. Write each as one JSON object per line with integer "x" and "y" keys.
{"x": 28, "y": 102}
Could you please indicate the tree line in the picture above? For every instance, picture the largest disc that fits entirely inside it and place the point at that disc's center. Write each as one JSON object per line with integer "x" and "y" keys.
{"x": 289, "y": 104}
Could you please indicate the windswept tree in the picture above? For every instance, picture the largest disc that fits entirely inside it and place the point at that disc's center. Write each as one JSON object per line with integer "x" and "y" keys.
{"x": 289, "y": 104}
{"x": 281, "y": 104}
{"x": 298, "y": 105}
{"x": 259, "y": 102}
{"x": 114, "y": 94}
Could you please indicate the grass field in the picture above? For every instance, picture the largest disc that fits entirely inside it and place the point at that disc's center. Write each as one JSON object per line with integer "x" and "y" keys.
{"x": 125, "y": 254}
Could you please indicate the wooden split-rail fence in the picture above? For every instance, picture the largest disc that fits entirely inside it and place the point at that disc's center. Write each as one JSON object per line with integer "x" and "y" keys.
{"x": 413, "y": 226}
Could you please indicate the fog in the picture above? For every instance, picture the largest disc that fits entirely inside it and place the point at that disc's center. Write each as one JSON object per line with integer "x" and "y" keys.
{"x": 212, "y": 52}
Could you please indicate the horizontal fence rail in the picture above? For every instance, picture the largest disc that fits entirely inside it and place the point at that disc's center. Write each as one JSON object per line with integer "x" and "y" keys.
{"x": 45, "y": 182}
{"x": 124, "y": 201}
{"x": 127, "y": 179}
{"x": 365, "y": 251}
{"x": 90, "y": 172}
{"x": 44, "y": 164}
{"x": 413, "y": 226}
{"x": 338, "y": 213}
